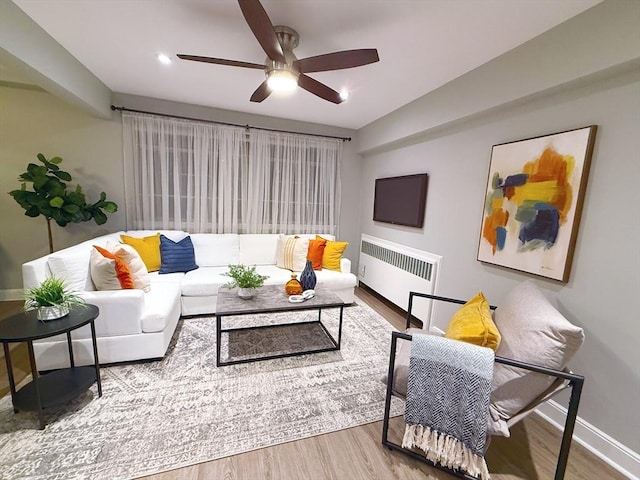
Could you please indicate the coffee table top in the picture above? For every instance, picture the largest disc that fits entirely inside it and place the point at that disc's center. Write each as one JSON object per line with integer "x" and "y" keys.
{"x": 272, "y": 298}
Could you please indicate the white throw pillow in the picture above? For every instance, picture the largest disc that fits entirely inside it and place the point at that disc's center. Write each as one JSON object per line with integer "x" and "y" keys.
{"x": 133, "y": 260}
{"x": 103, "y": 272}
{"x": 291, "y": 252}
{"x": 72, "y": 269}
{"x": 533, "y": 331}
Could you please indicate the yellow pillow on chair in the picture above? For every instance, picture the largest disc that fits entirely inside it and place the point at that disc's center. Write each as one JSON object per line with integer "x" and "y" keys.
{"x": 472, "y": 323}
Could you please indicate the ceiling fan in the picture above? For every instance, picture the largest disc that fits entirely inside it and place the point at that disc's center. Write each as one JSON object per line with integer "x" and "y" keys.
{"x": 283, "y": 70}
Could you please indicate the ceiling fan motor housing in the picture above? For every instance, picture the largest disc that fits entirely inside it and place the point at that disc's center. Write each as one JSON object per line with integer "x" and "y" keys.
{"x": 288, "y": 39}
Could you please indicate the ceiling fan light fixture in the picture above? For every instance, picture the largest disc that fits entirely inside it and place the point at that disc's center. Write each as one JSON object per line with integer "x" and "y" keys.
{"x": 282, "y": 81}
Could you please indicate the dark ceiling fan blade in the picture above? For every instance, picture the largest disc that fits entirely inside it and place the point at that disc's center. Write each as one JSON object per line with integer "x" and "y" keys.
{"x": 262, "y": 28}
{"x": 319, "y": 89}
{"x": 261, "y": 93}
{"x": 337, "y": 60}
{"x": 220, "y": 61}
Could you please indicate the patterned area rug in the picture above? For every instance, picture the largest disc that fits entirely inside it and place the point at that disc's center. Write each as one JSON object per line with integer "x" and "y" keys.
{"x": 182, "y": 410}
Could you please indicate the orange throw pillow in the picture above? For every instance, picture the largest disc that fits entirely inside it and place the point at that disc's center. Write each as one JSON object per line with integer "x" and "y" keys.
{"x": 316, "y": 251}
{"x": 122, "y": 271}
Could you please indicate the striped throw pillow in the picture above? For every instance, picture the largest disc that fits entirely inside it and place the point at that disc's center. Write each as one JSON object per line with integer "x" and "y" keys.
{"x": 291, "y": 252}
{"x": 177, "y": 256}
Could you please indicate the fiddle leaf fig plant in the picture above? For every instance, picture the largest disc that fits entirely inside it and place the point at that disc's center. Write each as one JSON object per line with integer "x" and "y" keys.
{"x": 55, "y": 200}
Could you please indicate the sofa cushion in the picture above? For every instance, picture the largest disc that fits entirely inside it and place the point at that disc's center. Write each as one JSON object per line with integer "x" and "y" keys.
{"x": 177, "y": 256}
{"x": 161, "y": 302}
{"x": 472, "y": 323}
{"x": 257, "y": 248}
{"x": 72, "y": 267}
{"x": 216, "y": 250}
{"x": 335, "y": 280}
{"x": 203, "y": 282}
{"x": 148, "y": 248}
{"x": 277, "y": 276}
{"x": 291, "y": 252}
{"x": 533, "y": 331}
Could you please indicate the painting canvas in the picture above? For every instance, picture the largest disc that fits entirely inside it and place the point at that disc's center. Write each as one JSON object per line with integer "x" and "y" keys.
{"x": 533, "y": 202}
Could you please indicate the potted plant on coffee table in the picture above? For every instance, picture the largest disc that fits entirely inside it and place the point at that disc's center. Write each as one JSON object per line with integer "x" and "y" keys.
{"x": 51, "y": 299}
{"x": 245, "y": 278}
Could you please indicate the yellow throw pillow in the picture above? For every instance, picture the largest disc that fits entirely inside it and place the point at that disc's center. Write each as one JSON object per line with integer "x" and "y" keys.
{"x": 472, "y": 323}
{"x": 148, "y": 248}
{"x": 332, "y": 254}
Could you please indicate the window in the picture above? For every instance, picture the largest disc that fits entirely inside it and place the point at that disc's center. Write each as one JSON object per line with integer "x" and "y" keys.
{"x": 203, "y": 177}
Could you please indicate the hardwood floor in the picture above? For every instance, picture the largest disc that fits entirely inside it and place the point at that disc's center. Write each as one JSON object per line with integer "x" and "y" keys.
{"x": 357, "y": 454}
{"x": 19, "y": 355}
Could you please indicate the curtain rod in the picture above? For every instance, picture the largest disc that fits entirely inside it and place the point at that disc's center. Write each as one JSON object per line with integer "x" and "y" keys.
{"x": 124, "y": 109}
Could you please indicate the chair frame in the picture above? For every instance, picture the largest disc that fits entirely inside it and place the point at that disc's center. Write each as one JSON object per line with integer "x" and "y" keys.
{"x": 575, "y": 382}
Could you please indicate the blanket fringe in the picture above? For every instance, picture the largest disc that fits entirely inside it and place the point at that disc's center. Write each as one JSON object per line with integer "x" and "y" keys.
{"x": 445, "y": 450}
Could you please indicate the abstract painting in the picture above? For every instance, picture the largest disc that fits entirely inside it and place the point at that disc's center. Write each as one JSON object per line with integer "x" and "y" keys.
{"x": 534, "y": 200}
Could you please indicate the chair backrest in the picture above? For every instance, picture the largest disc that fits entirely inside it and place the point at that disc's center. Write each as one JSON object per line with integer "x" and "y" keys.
{"x": 533, "y": 333}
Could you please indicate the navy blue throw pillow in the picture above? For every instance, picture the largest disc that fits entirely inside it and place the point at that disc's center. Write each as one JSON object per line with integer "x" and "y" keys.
{"x": 177, "y": 256}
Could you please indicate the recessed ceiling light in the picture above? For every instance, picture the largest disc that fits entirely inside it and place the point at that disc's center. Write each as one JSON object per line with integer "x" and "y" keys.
{"x": 164, "y": 59}
{"x": 344, "y": 94}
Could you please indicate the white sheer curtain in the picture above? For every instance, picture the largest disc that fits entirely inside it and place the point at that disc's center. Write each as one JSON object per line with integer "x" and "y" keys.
{"x": 204, "y": 177}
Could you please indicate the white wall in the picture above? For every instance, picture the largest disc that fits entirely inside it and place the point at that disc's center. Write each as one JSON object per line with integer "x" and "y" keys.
{"x": 605, "y": 277}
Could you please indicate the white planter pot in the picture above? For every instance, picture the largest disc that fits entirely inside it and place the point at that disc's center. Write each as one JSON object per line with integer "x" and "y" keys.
{"x": 51, "y": 313}
{"x": 246, "y": 293}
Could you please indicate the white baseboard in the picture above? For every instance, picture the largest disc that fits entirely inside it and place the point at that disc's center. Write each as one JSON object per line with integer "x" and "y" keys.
{"x": 15, "y": 294}
{"x": 623, "y": 459}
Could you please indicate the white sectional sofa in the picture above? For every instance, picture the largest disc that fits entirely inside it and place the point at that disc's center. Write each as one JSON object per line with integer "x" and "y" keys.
{"x": 134, "y": 324}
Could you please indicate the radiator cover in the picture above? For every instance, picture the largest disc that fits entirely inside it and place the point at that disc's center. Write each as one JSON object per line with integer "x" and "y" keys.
{"x": 393, "y": 270}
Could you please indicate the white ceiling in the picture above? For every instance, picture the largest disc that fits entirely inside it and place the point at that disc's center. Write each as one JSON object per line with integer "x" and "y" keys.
{"x": 422, "y": 44}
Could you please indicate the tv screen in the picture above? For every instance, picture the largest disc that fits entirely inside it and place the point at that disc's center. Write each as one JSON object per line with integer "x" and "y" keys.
{"x": 401, "y": 200}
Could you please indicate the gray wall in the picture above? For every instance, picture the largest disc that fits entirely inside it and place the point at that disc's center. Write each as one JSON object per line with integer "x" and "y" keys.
{"x": 455, "y": 151}
{"x": 33, "y": 121}
{"x": 605, "y": 278}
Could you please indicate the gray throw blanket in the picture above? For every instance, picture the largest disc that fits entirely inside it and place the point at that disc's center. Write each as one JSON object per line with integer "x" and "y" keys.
{"x": 447, "y": 404}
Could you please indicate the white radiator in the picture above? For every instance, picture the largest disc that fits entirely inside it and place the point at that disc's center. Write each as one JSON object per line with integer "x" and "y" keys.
{"x": 393, "y": 270}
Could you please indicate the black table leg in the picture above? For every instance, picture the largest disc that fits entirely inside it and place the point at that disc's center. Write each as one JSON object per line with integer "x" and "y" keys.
{"x": 340, "y": 328}
{"x": 36, "y": 386}
{"x": 12, "y": 381}
{"x": 70, "y": 348}
{"x": 95, "y": 357}
{"x": 218, "y": 338}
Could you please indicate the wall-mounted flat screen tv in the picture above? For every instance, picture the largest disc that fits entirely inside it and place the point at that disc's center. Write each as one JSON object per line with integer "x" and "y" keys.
{"x": 401, "y": 200}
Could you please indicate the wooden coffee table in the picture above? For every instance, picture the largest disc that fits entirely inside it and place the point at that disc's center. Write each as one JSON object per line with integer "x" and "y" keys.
{"x": 273, "y": 299}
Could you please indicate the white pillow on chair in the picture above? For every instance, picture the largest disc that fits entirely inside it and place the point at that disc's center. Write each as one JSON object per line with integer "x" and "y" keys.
{"x": 533, "y": 331}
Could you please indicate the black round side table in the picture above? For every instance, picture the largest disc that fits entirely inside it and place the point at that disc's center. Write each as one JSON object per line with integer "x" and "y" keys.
{"x": 58, "y": 386}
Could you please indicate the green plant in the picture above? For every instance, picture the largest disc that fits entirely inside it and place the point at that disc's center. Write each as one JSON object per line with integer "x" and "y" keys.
{"x": 53, "y": 199}
{"x": 51, "y": 293}
{"x": 244, "y": 277}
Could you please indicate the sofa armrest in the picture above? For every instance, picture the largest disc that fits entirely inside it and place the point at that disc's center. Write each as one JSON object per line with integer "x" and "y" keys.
{"x": 118, "y": 303}
{"x": 345, "y": 265}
